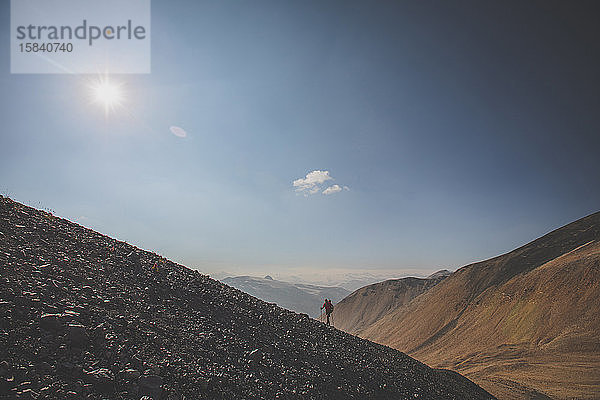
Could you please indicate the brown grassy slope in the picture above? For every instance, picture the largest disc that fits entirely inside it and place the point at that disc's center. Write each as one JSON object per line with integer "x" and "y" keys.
{"x": 487, "y": 316}
{"x": 541, "y": 330}
{"x": 366, "y": 305}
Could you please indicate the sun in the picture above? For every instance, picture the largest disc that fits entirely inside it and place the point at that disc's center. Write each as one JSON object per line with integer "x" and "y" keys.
{"x": 108, "y": 94}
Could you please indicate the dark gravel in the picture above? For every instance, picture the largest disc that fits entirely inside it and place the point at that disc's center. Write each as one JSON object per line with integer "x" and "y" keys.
{"x": 81, "y": 317}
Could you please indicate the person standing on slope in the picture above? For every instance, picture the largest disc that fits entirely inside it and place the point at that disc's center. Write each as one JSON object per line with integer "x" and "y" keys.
{"x": 328, "y": 306}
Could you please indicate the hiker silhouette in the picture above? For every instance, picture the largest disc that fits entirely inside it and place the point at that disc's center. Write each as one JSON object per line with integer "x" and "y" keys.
{"x": 328, "y": 306}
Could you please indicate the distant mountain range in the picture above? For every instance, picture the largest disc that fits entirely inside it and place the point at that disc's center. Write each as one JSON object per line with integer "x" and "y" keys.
{"x": 524, "y": 325}
{"x": 350, "y": 279}
{"x": 297, "y": 297}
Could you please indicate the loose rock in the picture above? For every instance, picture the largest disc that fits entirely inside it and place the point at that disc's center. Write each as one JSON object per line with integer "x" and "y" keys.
{"x": 96, "y": 324}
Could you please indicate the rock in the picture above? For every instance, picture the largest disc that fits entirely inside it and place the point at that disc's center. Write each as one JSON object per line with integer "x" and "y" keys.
{"x": 52, "y": 322}
{"x": 154, "y": 370}
{"x": 137, "y": 362}
{"x": 102, "y": 379}
{"x": 131, "y": 374}
{"x": 4, "y": 368}
{"x": 44, "y": 367}
{"x": 77, "y": 335}
{"x": 24, "y": 385}
{"x": 27, "y": 394}
{"x": 151, "y": 385}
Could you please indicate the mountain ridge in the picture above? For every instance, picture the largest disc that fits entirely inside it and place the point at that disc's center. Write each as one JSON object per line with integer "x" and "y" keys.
{"x": 353, "y": 315}
{"x": 454, "y": 316}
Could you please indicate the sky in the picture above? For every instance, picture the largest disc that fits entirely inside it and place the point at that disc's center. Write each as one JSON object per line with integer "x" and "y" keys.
{"x": 307, "y": 137}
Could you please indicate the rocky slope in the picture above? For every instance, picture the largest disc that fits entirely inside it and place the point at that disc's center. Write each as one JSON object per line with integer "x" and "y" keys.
{"x": 297, "y": 297}
{"x": 367, "y": 305}
{"x": 522, "y": 325}
{"x": 82, "y": 317}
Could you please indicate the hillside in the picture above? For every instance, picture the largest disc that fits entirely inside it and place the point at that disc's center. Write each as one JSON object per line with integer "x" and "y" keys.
{"x": 368, "y": 304}
{"x": 297, "y": 297}
{"x": 522, "y": 325}
{"x": 84, "y": 316}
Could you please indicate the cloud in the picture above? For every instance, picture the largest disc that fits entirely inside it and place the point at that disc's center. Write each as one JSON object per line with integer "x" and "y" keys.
{"x": 177, "y": 131}
{"x": 313, "y": 184}
{"x": 332, "y": 189}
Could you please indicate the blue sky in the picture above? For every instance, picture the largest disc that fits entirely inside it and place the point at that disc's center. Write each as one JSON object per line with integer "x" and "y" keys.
{"x": 461, "y": 130}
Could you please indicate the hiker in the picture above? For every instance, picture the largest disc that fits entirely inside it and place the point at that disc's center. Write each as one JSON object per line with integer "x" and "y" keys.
{"x": 156, "y": 264}
{"x": 328, "y": 306}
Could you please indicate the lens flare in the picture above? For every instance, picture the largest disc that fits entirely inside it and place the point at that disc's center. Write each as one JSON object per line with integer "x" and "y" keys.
{"x": 108, "y": 94}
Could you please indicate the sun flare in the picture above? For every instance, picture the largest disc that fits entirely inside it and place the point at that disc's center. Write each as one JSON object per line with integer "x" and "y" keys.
{"x": 107, "y": 94}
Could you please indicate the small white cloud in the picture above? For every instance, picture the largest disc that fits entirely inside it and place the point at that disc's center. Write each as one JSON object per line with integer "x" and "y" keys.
{"x": 311, "y": 183}
{"x": 332, "y": 189}
{"x": 177, "y": 131}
